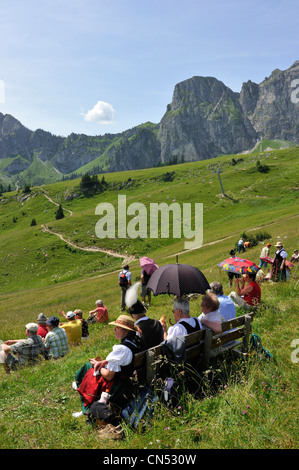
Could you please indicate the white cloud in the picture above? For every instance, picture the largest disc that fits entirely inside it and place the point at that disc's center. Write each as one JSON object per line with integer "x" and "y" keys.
{"x": 102, "y": 112}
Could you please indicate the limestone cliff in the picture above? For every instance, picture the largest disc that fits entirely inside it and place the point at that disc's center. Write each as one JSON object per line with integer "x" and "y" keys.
{"x": 204, "y": 119}
{"x": 273, "y": 106}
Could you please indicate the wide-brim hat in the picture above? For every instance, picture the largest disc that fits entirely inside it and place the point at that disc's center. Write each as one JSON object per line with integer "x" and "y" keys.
{"x": 124, "y": 321}
{"x": 279, "y": 244}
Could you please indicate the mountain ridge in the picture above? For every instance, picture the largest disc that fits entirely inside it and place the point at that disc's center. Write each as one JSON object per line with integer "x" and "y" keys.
{"x": 205, "y": 118}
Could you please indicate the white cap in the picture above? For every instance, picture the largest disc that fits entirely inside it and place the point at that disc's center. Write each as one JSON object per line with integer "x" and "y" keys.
{"x": 70, "y": 314}
{"x": 32, "y": 327}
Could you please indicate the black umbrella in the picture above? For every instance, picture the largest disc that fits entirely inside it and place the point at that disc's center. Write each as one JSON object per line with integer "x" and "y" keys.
{"x": 178, "y": 279}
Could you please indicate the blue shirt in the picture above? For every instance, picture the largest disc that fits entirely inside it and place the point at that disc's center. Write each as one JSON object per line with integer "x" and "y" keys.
{"x": 227, "y": 307}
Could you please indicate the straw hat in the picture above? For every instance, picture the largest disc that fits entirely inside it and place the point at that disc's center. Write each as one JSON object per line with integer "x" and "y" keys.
{"x": 124, "y": 321}
{"x": 279, "y": 245}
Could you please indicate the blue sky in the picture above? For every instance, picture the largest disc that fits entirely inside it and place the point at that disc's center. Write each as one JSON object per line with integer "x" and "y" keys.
{"x": 97, "y": 67}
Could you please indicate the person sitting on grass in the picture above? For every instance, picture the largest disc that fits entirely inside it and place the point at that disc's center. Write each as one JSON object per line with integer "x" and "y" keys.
{"x": 247, "y": 296}
{"x": 56, "y": 342}
{"x": 295, "y": 257}
{"x": 79, "y": 316}
{"x": 42, "y": 328}
{"x": 99, "y": 314}
{"x": 18, "y": 352}
{"x": 73, "y": 327}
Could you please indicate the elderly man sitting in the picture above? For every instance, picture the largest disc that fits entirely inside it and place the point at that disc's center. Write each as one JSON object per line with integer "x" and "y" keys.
{"x": 16, "y": 352}
{"x": 184, "y": 324}
{"x": 56, "y": 342}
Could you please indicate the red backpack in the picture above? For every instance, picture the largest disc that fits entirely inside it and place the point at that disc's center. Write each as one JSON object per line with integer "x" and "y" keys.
{"x": 122, "y": 280}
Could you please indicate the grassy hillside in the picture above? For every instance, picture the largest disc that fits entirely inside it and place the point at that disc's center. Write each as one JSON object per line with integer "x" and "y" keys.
{"x": 39, "y": 272}
{"x": 252, "y": 199}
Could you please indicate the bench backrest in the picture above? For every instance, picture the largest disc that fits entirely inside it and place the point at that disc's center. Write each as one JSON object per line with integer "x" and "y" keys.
{"x": 203, "y": 343}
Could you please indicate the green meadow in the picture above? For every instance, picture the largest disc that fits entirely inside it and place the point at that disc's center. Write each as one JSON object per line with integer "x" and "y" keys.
{"x": 58, "y": 264}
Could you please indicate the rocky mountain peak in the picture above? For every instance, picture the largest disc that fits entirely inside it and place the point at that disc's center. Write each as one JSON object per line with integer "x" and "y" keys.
{"x": 205, "y": 118}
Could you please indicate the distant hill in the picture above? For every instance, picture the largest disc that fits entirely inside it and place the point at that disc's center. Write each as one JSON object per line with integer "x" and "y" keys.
{"x": 204, "y": 119}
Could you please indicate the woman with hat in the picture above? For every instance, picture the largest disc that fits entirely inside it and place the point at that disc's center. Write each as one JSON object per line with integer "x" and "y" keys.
{"x": 278, "y": 272}
{"x": 110, "y": 375}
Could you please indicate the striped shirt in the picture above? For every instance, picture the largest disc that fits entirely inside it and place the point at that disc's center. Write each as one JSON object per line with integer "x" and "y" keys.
{"x": 56, "y": 343}
{"x": 28, "y": 349}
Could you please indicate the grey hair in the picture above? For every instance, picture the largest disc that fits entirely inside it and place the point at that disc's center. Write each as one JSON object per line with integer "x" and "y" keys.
{"x": 183, "y": 304}
{"x": 216, "y": 287}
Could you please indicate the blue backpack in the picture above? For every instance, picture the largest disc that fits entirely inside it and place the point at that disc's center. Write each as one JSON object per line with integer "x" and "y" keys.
{"x": 141, "y": 408}
{"x": 257, "y": 347}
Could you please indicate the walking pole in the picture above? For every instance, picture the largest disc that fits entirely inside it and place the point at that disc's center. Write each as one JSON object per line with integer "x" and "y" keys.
{"x": 295, "y": 270}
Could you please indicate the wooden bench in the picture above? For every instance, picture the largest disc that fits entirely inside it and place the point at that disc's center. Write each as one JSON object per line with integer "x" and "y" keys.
{"x": 200, "y": 346}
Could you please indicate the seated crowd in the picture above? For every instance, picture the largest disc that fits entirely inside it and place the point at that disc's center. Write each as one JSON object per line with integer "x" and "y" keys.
{"x": 51, "y": 339}
{"x": 48, "y": 338}
{"x": 104, "y": 385}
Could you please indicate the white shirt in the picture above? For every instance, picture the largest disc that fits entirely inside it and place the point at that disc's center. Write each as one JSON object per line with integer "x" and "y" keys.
{"x": 178, "y": 329}
{"x": 211, "y": 316}
{"x": 282, "y": 253}
{"x": 119, "y": 356}
{"x": 141, "y": 319}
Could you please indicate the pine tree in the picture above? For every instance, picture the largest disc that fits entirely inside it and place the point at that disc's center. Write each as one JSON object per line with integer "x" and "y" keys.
{"x": 59, "y": 213}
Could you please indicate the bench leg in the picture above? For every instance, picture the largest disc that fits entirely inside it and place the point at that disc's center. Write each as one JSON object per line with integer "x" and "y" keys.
{"x": 150, "y": 368}
{"x": 207, "y": 348}
{"x": 247, "y": 324}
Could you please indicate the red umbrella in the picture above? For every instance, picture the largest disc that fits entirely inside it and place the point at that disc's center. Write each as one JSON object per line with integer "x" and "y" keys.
{"x": 148, "y": 264}
{"x": 238, "y": 265}
{"x": 271, "y": 261}
{"x": 178, "y": 279}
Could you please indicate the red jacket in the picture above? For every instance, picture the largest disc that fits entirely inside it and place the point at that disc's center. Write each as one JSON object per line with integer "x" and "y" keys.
{"x": 92, "y": 386}
{"x": 42, "y": 330}
{"x": 254, "y": 297}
